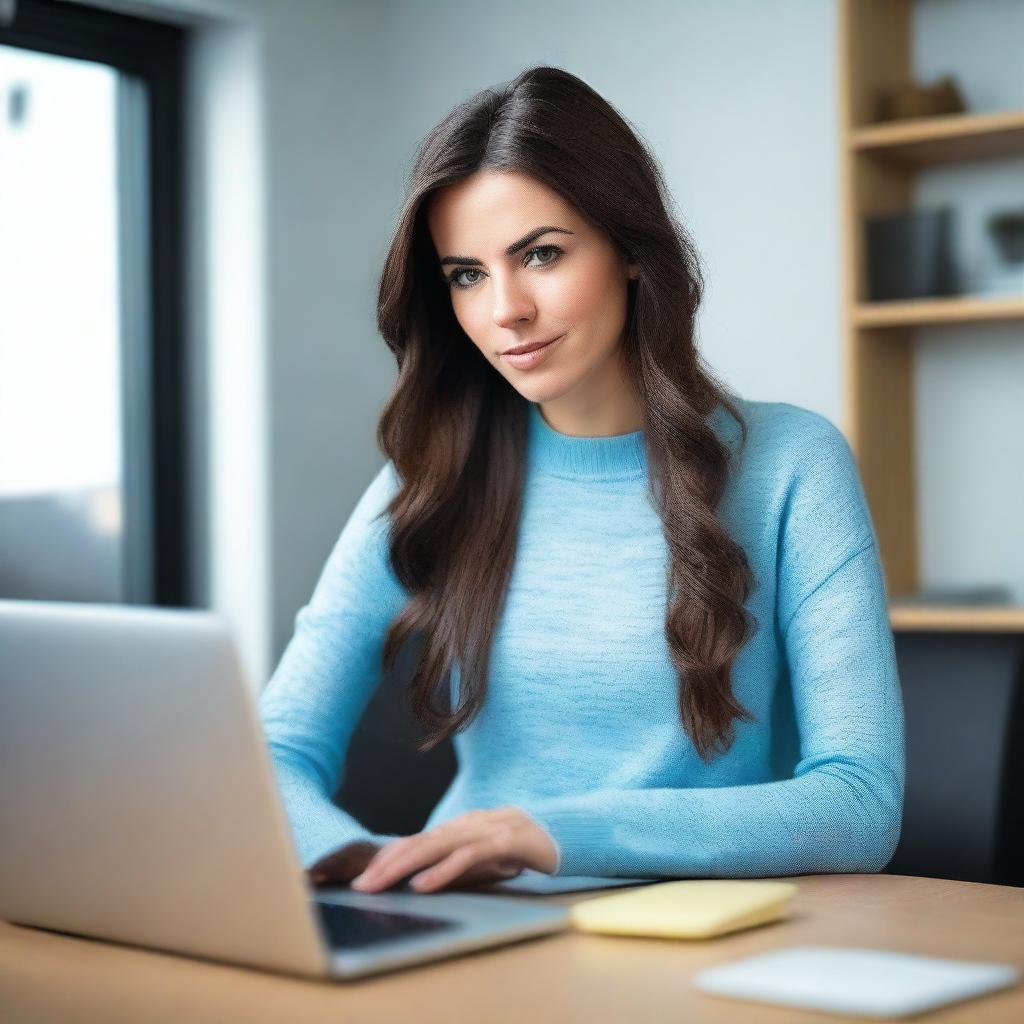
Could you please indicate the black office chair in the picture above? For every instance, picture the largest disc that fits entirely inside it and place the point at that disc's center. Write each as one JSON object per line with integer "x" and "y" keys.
{"x": 388, "y": 785}
{"x": 964, "y": 809}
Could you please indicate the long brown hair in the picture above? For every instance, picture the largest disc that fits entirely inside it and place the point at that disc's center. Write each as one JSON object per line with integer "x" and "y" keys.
{"x": 456, "y": 430}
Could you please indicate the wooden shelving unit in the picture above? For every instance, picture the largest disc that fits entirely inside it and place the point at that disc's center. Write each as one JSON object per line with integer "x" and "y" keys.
{"x": 942, "y": 140}
{"x": 920, "y": 312}
{"x": 878, "y": 168}
{"x": 995, "y": 620}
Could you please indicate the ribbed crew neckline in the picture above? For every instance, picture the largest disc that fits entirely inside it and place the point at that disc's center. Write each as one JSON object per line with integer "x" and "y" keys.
{"x": 618, "y": 457}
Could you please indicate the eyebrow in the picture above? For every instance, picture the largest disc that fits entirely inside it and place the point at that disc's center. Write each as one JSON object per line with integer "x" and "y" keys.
{"x": 511, "y": 250}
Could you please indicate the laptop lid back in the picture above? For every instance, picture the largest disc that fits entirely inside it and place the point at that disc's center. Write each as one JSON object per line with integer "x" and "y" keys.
{"x": 137, "y": 798}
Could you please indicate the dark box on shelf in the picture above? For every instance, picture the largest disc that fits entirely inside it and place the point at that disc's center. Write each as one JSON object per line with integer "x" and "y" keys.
{"x": 909, "y": 255}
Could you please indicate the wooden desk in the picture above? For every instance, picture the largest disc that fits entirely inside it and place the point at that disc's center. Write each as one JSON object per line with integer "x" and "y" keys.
{"x": 567, "y": 977}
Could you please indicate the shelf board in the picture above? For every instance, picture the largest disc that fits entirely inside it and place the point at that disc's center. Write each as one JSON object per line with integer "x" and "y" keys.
{"x": 926, "y": 141}
{"x": 954, "y": 310}
{"x": 1001, "y": 619}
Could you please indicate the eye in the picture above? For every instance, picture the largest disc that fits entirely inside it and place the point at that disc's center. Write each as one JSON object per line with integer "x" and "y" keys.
{"x": 556, "y": 251}
{"x": 453, "y": 278}
{"x": 546, "y": 248}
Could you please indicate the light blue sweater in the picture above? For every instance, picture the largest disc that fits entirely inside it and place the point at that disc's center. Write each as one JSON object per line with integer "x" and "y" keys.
{"x": 581, "y": 726}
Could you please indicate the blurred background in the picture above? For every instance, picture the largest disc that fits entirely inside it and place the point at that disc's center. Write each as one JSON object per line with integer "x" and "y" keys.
{"x": 196, "y": 197}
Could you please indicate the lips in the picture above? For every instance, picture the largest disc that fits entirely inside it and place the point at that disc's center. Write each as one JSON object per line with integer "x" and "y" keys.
{"x": 523, "y": 349}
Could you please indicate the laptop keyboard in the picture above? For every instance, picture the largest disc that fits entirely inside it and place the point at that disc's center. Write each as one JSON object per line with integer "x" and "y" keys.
{"x": 355, "y": 928}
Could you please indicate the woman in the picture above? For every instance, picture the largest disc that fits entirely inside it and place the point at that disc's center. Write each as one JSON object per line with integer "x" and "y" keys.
{"x": 616, "y": 570}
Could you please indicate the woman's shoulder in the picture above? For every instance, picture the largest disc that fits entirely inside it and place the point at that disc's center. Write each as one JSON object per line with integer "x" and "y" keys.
{"x": 377, "y": 494}
{"x": 788, "y": 434}
{"x": 798, "y": 468}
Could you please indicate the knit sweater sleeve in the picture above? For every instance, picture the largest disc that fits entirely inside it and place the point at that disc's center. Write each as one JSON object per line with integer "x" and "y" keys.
{"x": 841, "y": 810}
{"x": 328, "y": 673}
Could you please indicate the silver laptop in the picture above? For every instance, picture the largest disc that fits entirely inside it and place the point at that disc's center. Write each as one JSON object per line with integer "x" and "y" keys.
{"x": 138, "y": 804}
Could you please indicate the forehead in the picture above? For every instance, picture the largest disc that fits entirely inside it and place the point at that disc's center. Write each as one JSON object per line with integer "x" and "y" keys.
{"x": 490, "y": 209}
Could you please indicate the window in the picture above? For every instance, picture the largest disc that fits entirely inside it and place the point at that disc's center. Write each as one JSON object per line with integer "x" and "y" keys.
{"x": 92, "y": 424}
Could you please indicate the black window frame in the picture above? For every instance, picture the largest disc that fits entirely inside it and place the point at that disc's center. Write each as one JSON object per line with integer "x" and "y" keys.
{"x": 155, "y": 53}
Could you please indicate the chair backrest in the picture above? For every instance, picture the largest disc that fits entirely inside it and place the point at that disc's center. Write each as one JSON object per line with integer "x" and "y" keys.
{"x": 962, "y": 816}
{"x": 387, "y": 784}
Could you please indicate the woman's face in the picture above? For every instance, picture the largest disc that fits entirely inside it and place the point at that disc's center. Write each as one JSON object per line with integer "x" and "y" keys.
{"x": 567, "y": 282}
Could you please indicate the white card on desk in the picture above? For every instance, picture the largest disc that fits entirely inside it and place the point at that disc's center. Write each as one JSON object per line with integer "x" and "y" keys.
{"x": 862, "y": 982}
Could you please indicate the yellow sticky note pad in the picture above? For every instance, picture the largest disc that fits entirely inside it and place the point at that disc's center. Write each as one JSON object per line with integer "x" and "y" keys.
{"x": 689, "y": 909}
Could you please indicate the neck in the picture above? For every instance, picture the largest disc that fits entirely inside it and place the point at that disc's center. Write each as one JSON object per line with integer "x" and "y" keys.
{"x": 624, "y": 415}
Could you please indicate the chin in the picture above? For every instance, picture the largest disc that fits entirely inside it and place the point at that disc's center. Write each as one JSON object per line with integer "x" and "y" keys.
{"x": 534, "y": 388}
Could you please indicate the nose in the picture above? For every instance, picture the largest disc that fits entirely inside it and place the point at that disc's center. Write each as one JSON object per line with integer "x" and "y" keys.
{"x": 513, "y": 303}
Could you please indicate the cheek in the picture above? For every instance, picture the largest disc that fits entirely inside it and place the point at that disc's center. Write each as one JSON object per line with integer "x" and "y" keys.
{"x": 586, "y": 298}
{"x": 472, "y": 321}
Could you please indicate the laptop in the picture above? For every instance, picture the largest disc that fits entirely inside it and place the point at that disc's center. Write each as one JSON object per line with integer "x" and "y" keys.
{"x": 138, "y": 804}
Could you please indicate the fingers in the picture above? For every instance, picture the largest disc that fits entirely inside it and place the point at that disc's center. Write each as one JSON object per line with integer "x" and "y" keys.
{"x": 425, "y": 850}
{"x": 480, "y": 845}
{"x": 454, "y": 865}
{"x": 402, "y": 857}
{"x": 409, "y": 849}
{"x": 481, "y": 872}
{"x": 438, "y": 841}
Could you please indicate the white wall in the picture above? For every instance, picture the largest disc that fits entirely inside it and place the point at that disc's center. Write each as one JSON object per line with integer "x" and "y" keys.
{"x": 738, "y": 102}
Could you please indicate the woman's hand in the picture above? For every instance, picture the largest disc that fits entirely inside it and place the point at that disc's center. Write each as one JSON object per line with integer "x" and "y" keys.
{"x": 480, "y": 846}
